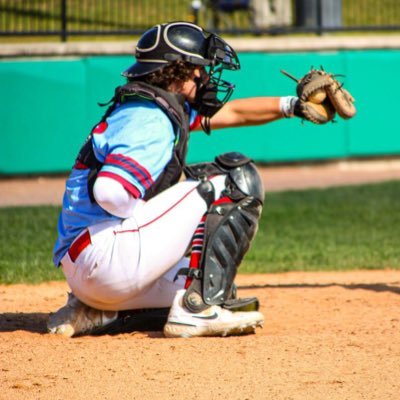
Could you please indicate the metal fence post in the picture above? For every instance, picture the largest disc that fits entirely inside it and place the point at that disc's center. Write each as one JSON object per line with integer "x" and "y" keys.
{"x": 196, "y": 6}
{"x": 63, "y": 20}
{"x": 319, "y": 17}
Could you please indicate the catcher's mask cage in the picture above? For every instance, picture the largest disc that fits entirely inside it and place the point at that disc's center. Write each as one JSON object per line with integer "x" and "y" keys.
{"x": 173, "y": 41}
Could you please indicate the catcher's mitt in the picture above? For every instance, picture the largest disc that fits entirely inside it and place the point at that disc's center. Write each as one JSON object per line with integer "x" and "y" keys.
{"x": 321, "y": 95}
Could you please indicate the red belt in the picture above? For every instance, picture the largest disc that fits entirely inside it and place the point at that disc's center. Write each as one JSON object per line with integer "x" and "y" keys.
{"x": 79, "y": 245}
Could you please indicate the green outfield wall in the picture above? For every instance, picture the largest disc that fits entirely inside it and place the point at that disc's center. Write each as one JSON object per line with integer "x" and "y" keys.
{"x": 48, "y": 106}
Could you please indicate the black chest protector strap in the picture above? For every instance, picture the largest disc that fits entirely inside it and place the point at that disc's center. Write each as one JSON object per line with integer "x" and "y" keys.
{"x": 173, "y": 106}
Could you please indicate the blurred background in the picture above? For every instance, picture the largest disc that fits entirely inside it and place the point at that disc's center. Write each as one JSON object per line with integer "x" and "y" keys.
{"x": 60, "y": 58}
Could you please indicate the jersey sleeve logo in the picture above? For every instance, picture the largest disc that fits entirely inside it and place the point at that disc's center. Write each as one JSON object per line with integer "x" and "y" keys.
{"x": 100, "y": 128}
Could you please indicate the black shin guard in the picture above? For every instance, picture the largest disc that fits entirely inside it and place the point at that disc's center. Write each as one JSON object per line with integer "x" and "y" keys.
{"x": 229, "y": 230}
{"x": 226, "y": 247}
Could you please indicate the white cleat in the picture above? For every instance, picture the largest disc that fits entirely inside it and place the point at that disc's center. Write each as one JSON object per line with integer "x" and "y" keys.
{"x": 77, "y": 318}
{"x": 214, "y": 321}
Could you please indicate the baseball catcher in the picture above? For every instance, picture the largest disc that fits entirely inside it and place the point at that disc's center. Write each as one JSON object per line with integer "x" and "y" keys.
{"x": 146, "y": 241}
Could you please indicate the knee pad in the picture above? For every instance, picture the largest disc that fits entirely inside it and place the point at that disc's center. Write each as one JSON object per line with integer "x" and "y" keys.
{"x": 243, "y": 178}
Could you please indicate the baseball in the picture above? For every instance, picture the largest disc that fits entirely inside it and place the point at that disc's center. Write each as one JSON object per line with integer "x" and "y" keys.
{"x": 318, "y": 96}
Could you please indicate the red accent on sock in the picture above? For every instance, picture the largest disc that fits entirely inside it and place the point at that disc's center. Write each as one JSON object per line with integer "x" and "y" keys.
{"x": 198, "y": 240}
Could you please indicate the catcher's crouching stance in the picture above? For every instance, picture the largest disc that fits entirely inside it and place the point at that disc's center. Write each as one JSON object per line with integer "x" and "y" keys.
{"x": 226, "y": 197}
{"x": 128, "y": 220}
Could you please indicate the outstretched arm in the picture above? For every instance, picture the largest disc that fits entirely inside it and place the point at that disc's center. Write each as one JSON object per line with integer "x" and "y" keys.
{"x": 250, "y": 111}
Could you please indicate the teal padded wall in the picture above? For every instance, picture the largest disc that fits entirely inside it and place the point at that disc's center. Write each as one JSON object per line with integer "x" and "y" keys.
{"x": 48, "y": 106}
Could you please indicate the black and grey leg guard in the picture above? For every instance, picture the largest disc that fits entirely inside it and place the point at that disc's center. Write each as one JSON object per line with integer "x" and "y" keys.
{"x": 229, "y": 230}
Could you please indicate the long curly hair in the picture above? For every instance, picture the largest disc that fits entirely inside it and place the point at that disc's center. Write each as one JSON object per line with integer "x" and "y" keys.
{"x": 178, "y": 72}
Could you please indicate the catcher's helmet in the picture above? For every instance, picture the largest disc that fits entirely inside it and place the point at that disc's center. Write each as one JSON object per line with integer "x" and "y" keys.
{"x": 185, "y": 41}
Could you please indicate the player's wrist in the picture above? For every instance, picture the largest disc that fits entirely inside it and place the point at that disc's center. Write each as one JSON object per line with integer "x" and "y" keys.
{"x": 287, "y": 105}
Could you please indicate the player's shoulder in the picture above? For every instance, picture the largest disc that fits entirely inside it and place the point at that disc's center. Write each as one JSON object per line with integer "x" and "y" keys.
{"x": 138, "y": 106}
{"x": 140, "y": 113}
{"x": 142, "y": 120}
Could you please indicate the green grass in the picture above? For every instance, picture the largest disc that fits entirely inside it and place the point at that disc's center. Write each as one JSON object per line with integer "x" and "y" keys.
{"x": 371, "y": 12}
{"x": 331, "y": 229}
{"x": 123, "y": 15}
{"x": 85, "y": 15}
{"x": 27, "y": 236}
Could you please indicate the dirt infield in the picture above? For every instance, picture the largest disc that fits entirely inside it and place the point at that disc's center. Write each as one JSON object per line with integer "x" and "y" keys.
{"x": 327, "y": 336}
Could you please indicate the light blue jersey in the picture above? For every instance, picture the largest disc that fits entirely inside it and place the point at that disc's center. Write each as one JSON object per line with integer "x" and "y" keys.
{"x": 134, "y": 143}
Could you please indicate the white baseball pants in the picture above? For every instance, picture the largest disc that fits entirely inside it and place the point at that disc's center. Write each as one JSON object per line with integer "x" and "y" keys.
{"x": 131, "y": 263}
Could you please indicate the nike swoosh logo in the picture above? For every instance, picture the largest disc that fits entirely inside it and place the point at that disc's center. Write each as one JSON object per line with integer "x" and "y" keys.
{"x": 212, "y": 316}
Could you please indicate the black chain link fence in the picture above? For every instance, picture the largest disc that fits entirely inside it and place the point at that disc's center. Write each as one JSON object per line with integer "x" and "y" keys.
{"x": 66, "y": 18}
